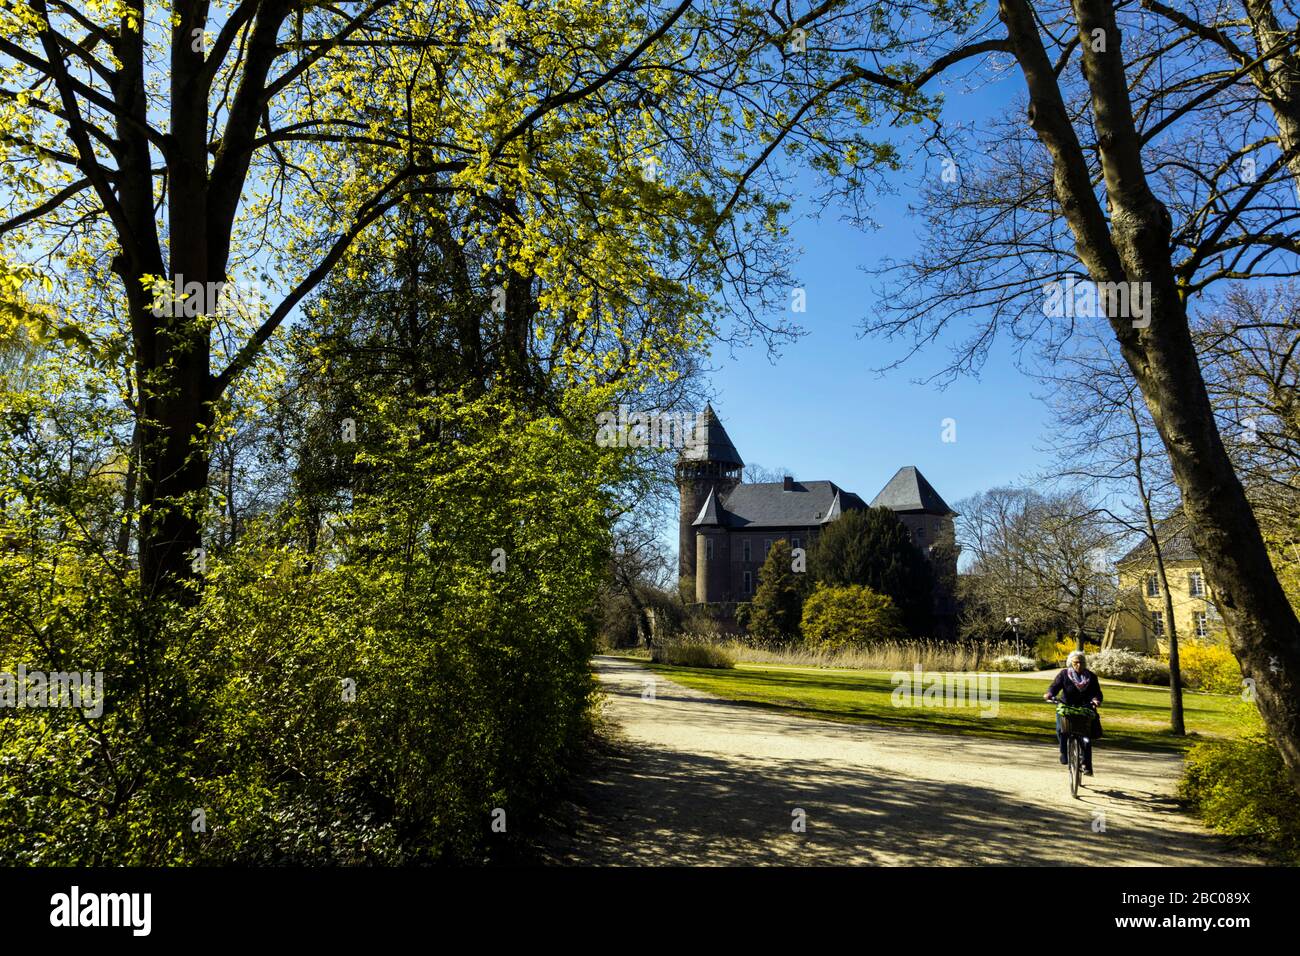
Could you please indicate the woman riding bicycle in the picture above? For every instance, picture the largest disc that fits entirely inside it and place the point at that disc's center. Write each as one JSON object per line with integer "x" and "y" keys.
{"x": 1080, "y": 688}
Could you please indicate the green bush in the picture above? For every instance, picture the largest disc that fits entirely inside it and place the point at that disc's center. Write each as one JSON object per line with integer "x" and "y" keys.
{"x": 692, "y": 654}
{"x": 851, "y": 615}
{"x": 1241, "y": 788}
{"x": 369, "y": 702}
{"x": 1127, "y": 666}
{"x": 873, "y": 548}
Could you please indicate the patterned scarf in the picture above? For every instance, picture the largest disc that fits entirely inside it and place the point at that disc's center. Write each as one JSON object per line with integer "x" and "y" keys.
{"x": 1081, "y": 680}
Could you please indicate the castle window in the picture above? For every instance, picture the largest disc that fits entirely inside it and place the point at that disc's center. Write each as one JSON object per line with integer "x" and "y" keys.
{"x": 1202, "y": 625}
{"x": 1158, "y": 623}
{"x": 708, "y": 549}
{"x": 1153, "y": 586}
{"x": 1195, "y": 584}
{"x": 744, "y": 547}
{"x": 749, "y": 582}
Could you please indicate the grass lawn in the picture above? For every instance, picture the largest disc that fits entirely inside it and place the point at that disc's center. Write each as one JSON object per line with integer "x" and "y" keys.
{"x": 1133, "y": 716}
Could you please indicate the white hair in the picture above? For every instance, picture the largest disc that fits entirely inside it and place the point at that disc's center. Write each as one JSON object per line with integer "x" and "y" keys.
{"x": 1081, "y": 657}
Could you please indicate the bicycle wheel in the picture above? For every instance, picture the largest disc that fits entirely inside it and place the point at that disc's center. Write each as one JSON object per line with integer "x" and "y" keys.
{"x": 1076, "y": 765}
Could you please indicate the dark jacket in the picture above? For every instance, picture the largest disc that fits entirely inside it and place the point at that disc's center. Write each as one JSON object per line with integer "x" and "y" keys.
{"x": 1076, "y": 696}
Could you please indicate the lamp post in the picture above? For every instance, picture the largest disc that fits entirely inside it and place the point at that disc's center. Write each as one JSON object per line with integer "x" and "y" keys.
{"x": 1015, "y": 629}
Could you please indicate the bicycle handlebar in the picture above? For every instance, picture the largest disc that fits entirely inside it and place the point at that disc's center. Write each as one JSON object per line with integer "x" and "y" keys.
{"x": 1054, "y": 700}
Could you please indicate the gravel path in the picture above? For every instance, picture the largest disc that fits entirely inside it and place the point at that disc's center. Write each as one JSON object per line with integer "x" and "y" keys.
{"x": 691, "y": 780}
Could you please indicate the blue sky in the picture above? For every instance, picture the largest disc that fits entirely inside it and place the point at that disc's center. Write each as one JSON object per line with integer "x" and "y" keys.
{"x": 822, "y": 411}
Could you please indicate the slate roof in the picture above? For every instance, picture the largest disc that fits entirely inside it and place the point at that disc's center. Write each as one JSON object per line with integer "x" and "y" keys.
{"x": 1175, "y": 542}
{"x": 769, "y": 505}
{"x": 909, "y": 491}
{"x": 710, "y": 442}
{"x": 710, "y": 514}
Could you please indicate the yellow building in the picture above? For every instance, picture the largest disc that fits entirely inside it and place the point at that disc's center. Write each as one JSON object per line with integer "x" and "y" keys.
{"x": 1139, "y": 621}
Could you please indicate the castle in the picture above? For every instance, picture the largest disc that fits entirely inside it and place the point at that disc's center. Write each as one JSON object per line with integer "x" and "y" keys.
{"x": 727, "y": 526}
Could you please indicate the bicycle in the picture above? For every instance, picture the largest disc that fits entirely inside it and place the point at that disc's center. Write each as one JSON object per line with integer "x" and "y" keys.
{"x": 1076, "y": 726}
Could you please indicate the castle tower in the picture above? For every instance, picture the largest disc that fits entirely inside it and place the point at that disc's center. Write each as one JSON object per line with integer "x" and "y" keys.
{"x": 929, "y": 520}
{"x": 709, "y": 464}
{"x": 918, "y": 506}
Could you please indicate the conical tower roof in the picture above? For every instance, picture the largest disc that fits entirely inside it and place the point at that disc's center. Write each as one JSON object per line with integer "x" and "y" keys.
{"x": 909, "y": 491}
{"x": 835, "y": 510}
{"x": 711, "y": 514}
{"x": 710, "y": 442}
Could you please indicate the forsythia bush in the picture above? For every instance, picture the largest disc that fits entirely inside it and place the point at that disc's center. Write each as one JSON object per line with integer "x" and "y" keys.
{"x": 1241, "y": 787}
{"x": 1061, "y": 649}
{"x": 1209, "y": 667}
{"x": 849, "y": 615}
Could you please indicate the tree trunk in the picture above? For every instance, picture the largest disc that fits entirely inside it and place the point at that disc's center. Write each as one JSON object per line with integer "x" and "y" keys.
{"x": 1080, "y": 620}
{"x": 1279, "y": 79}
{"x": 1134, "y": 246}
{"x": 174, "y": 470}
{"x": 1158, "y": 348}
{"x": 1176, "y": 724}
{"x": 1175, "y": 674}
{"x": 128, "y": 491}
{"x": 174, "y": 362}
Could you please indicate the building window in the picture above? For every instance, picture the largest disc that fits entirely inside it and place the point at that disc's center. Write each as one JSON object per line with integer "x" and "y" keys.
{"x": 920, "y": 533}
{"x": 1195, "y": 584}
{"x": 708, "y": 549}
{"x": 744, "y": 547}
{"x": 1202, "y": 624}
{"x": 1158, "y": 623}
{"x": 767, "y": 546}
{"x": 1153, "y": 586}
{"x": 794, "y": 543}
{"x": 749, "y": 582}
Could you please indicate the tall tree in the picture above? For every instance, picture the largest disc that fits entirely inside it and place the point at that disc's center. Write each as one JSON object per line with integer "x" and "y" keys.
{"x": 873, "y": 548}
{"x": 187, "y": 146}
{"x": 778, "y": 601}
{"x": 996, "y": 584}
{"x": 1104, "y": 441}
{"x": 1090, "y": 188}
{"x": 1041, "y": 557}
